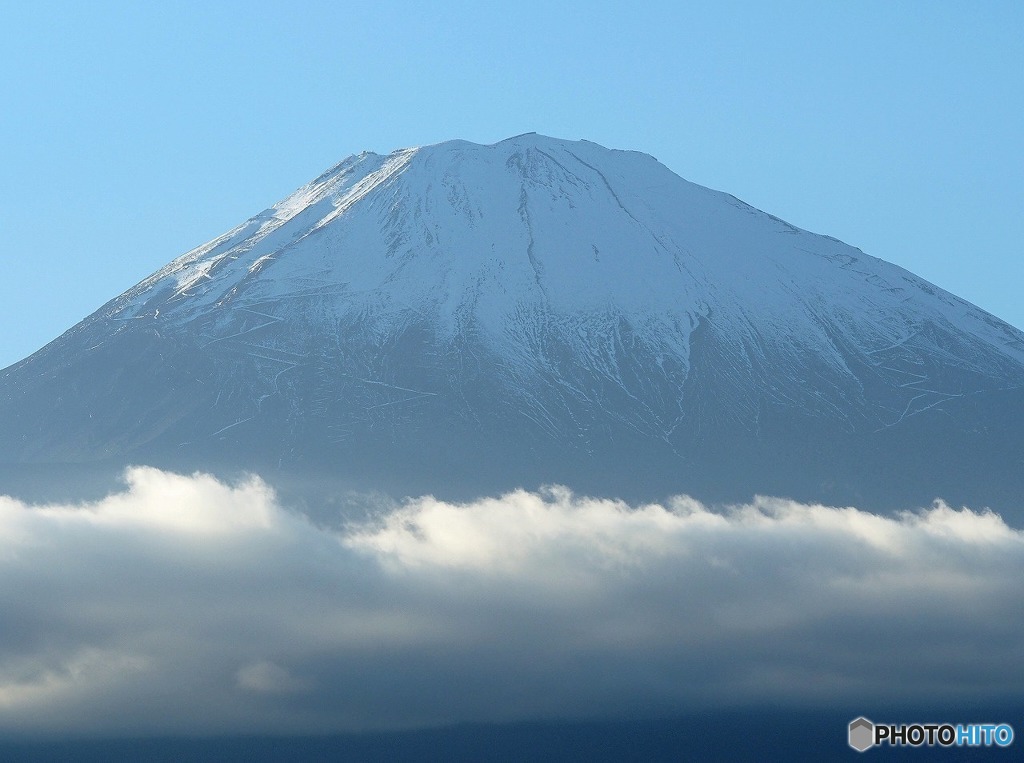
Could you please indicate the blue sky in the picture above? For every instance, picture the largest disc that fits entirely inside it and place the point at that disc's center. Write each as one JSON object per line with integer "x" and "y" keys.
{"x": 131, "y": 134}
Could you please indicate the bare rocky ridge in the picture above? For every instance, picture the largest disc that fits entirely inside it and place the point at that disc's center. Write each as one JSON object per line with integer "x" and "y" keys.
{"x": 463, "y": 319}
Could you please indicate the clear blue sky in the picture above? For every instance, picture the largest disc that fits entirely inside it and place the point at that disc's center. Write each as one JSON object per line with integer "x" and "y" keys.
{"x": 131, "y": 132}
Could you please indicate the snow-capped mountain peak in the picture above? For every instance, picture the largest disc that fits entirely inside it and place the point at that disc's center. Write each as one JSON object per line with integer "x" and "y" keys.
{"x": 573, "y": 297}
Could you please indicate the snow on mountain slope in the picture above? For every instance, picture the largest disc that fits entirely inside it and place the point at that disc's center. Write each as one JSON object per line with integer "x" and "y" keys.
{"x": 552, "y": 293}
{"x": 512, "y": 238}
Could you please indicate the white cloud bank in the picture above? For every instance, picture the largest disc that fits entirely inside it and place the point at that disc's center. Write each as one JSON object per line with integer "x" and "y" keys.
{"x": 186, "y": 605}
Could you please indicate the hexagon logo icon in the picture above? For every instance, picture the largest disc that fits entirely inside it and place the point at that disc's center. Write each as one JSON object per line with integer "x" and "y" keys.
{"x": 862, "y": 734}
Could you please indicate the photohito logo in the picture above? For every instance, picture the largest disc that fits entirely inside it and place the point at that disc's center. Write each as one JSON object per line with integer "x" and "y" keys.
{"x": 863, "y": 734}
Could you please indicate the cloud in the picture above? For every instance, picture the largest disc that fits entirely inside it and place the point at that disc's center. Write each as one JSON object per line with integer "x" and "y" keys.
{"x": 188, "y": 605}
{"x": 267, "y": 678}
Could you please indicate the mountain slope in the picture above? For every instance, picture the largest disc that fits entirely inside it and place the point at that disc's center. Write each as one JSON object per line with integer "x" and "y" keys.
{"x": 462, "y": 318}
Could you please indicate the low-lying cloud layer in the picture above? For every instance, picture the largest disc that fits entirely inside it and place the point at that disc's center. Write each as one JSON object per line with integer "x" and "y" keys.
{"x": 186, "y": 605}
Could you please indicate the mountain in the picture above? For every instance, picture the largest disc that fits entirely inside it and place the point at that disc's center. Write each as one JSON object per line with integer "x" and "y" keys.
{"x": 462, "y": 319}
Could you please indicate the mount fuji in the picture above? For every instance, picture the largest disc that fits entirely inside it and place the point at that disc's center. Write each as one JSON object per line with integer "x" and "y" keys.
{"x": 462, "y": 319}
